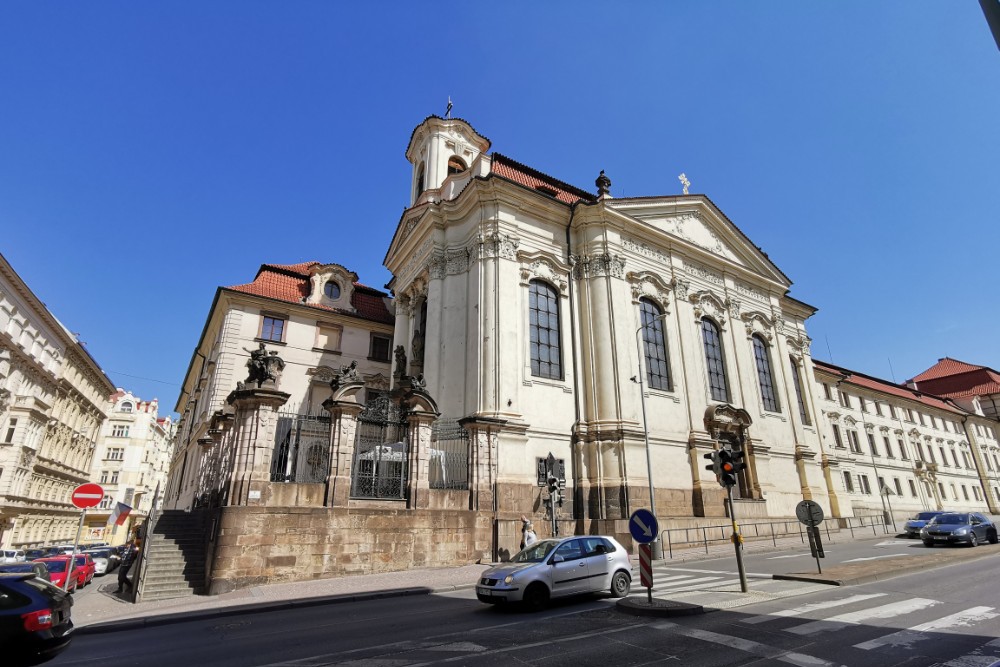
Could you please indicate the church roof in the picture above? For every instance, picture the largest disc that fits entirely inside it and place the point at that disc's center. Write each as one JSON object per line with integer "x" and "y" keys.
{"x": 524, "y": 175}
{"x": 290, "y": 283}
{"x": 886, "y": 387}
{"x": 958, "y": 379}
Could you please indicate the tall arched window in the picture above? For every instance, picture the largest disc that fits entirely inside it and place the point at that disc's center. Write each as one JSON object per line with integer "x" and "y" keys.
{"x": 714, "y": 363}
{"x": 543, "y": 314}
{"x": 763, "y": 358}
{"x": 420, "y": 179}
{"x": 655, "y": 344}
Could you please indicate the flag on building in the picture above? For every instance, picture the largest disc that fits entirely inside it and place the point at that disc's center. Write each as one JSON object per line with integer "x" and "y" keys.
{"x": 120, "y": 514}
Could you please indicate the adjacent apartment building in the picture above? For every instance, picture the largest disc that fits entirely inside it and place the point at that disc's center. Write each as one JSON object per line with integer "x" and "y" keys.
{"x": 53, "y": 402}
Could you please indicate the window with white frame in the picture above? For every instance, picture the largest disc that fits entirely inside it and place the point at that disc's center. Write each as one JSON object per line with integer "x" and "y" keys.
{"x": 655, "y": 344}
{"x": 115, "y": 453}
{"x": 848, "y": 483}
{"x": 714, "y": 360}
{"x": 762, "y": 357}
{"x": 119, "y": 431}
{"x": 544, "y": 330}
{"x": 272, "y": 328}
{"x": 913, "y": 488}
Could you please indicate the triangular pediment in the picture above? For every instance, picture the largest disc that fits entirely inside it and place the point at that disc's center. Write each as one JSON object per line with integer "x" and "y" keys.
{"x": 697, "y": 221}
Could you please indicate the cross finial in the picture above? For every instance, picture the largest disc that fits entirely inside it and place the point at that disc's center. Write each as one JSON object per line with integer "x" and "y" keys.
{"x": 447, "y": 113}
{"x": 684, "y": 182}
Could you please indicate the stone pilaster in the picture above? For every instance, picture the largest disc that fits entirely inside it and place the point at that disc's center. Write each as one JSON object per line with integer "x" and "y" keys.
{"x": 255, "y": 422}
{"x": 483, "y": 434}
{"x": 418, "y": 485}
{"x": 343, "y": 432}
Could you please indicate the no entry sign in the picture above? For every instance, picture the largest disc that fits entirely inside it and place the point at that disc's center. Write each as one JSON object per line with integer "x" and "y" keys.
{"x": 88, "y": 495}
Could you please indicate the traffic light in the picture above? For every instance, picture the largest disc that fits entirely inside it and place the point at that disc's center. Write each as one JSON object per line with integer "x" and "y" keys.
{"x": 727, "y": 467}
{"x": 554, "y": 490}
{"x": 737, "y": 459}
{"x": 713, "y": 456}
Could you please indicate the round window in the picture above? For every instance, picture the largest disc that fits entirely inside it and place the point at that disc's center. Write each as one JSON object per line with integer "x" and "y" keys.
{"x": 332, "y": 290}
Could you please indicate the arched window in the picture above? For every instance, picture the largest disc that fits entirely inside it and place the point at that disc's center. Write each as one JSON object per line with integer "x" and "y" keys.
{"x": 797, "y": 379}
{"x": 763, "y": 358}
{"x": 456, "y": 165}
{"x": 126, "y": 407}
{"x": 420, "y": 179}
{"x": 543, "y": 314}
{"x": 657, "y": 364}
{"x": 714, "y": 362}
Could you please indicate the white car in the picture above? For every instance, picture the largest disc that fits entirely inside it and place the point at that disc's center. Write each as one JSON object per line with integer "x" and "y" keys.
{"x": 12, "y": 556}
{"x": 559, "y": 567}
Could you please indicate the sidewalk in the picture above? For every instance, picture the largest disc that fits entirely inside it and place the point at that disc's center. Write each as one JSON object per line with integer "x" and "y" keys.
{"x": 103, "y": 611}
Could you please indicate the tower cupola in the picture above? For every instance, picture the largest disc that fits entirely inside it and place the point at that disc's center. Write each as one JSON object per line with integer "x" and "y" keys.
{"x": 442, "y": 149}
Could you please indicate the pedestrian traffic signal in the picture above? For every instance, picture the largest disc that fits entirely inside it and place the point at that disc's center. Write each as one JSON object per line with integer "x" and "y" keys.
{"x": 713, "y": 456}
{"x": 555, "y": 494}
{"x": 727, "y": 468}
{"x": 737, "y": 458}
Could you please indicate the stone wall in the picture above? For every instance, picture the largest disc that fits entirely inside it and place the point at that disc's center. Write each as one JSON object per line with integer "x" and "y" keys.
{"x": 260, "y": 545}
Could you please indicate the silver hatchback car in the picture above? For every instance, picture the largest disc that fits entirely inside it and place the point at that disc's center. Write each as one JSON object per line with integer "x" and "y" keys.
{"x": 556, "y": 568}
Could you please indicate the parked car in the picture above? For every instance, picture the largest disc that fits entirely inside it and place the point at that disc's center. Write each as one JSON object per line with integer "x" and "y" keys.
{"x": 32, "y": 554}
{"x": 913, "y": 526}
{"x": 85, "y": 569}
{"x": 102, "y": 560}
{"x": 556, "y": 568}
{"x": 35, "y": 622}
{"x": 38, "y": 569}
{"x": 959, "y": 528}
{"x": 12, "y": 556}
{"x": 58, "y": 567}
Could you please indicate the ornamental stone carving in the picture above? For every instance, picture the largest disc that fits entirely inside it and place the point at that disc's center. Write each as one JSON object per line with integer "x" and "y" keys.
{"x": 594, "y": 266}
{"x": 536, "y": 267}
{"x": 494, "y": 245}
{"x": 640, "y": 248}
{"x": 457, "y": 261}
{"x": 750, "y": 291}
{"x": 734, "y": 308}
{"x": 705, "y": 273}
{"x": 650, "y": 285}
{"x": 707, "y": 304}
{"x": 757, "y": 322}
{"x": 264, "y": 367}
{"x": 436, "y": 265}
{"x": 681, "y": 287}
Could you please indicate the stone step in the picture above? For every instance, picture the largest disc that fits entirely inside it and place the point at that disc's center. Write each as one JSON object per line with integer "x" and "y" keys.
{"x": 167, "y": 594}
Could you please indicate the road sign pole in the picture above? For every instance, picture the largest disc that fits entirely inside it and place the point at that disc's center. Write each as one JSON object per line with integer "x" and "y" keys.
{"x": 71, "y": 566}
{"x": 737, "y": 540}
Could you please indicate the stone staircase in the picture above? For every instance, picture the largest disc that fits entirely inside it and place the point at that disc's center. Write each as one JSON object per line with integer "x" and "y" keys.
{"x": 175, "y": 565}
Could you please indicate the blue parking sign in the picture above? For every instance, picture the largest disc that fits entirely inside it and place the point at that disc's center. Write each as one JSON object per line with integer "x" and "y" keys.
{"x": 642, "y": 524}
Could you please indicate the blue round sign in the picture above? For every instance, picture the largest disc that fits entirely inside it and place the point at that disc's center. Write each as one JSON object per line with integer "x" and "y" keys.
{"x": 642, "y": 524}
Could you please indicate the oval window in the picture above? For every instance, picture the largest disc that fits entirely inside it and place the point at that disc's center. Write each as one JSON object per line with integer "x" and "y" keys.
{"x": 332, "y": 290}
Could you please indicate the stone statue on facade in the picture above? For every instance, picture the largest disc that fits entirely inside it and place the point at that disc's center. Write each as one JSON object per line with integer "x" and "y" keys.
{"x": 400, "y": 362}
{"x": 264, "y": 367}
{"x": 347, "y": 374}
{"x": 418, "y": 347}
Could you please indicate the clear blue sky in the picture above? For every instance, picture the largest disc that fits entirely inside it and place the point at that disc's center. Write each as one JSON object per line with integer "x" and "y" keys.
{"x": 150, "y": 152}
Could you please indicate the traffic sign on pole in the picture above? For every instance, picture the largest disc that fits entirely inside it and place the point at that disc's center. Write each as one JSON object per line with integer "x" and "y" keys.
{"x": 87, "y": 495}
{"x": 643, "y": 527}
{"x": 809, "y": 512}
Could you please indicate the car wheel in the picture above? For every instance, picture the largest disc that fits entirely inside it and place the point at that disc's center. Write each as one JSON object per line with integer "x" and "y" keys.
{"x": 536, "y": 597}
{"x": 993, "y": 538}
{"x": 928, "y": 543}
{"x": 620, "y": 585}
{"x": 973, "y": 540}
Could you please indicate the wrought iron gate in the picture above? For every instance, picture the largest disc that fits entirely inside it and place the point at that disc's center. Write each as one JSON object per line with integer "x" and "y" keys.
{"x": 301, "y": 448}
{"x": 381, "y": 451}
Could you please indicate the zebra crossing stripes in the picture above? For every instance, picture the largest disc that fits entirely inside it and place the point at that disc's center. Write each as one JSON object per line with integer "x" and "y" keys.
{"x": 812, "y": 607}
{"x": 855, "y": 617}
{"x": 770, "y": 653}
{"x": 908, "y": 637}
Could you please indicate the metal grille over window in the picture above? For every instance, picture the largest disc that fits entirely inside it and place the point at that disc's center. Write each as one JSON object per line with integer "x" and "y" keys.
{"x": 301, "y": 449}
{"x": 763, "y": 358}
{"x": 714, "y": 362}
{"x": 543, "y": 310}
{"x": 657, "y": 366}
{"x": 449, "y": 456}
{"x": 381, "y": 452}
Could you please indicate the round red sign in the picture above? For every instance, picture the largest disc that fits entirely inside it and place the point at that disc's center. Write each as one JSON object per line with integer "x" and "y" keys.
{"x": 88, "y": 495}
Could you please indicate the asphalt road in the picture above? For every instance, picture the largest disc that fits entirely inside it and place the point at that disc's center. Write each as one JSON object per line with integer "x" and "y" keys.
{"x": 948, "y": 616}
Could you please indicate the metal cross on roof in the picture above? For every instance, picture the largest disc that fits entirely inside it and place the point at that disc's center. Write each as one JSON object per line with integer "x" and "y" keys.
{"x": 447, "y": 113}
{"x": 685, "y": 182}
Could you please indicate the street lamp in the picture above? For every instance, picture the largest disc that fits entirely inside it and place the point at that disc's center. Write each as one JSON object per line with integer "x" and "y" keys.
{"x": 657, "y": 546}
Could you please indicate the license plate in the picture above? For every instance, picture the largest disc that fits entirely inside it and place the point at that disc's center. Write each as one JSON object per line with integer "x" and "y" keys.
{"x": 941, "y": 537}
{"x": 484, "y": 591}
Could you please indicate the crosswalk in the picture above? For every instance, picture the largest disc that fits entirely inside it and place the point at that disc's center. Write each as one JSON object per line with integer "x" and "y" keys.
{"x": 894, "y": 623}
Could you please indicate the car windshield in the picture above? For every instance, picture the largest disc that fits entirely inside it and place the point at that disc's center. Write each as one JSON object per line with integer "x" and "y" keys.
{"x": 55, "y": 565}
{"x": 926, "y": 516}
{"x": 81, "y": 560}
{"x": 536, "y": 553}
{"x": 950, "y": 519}
{"x": 17, "y": 567}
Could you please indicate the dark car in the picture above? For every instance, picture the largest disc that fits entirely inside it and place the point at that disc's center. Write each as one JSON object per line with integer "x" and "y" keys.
{"x": 913, "y": 526}
{"x": 32, "y": 554}
{"x": 35, "y": 623}
{"x": 38, "y": 569}
{"x": 959, "y": 528}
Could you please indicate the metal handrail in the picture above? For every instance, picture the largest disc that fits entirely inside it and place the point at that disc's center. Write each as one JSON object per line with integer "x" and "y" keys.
{"x": 755, "y": 531}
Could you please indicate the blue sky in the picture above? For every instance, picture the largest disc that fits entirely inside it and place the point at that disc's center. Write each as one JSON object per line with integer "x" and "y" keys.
{"x": 150, "y": 152}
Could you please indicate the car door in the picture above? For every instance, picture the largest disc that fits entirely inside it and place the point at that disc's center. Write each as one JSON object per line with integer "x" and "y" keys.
{"x": 569, "y": 568}
{"x": 598, "y": 563}
{"x": 981, "y": 526}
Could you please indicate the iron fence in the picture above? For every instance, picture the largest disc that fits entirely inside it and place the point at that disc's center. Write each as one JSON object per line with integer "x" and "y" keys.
{"x": 449, "y": 456}
{"x": 302, "y": 448}
{"x": 381, "y": 452}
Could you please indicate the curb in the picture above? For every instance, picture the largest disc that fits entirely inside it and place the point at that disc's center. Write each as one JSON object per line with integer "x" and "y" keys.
{"x": 638, "y": 606}
{"x": 276, "y": 605}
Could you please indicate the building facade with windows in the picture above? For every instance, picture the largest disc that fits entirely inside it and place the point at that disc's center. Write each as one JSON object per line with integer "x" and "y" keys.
{"x": 896, "y": 449}
{"x": 131, "y": 463}
{"x": 51, "y": 410}
{"x": 318, "y": 318}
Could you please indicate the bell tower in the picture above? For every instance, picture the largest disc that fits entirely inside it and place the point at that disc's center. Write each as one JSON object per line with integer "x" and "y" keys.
{"x": 442, "y": 148}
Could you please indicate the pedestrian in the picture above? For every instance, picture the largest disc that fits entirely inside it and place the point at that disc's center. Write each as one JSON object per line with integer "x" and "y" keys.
{"x": 128, "y": 558}
{"x": 528, "y": 536}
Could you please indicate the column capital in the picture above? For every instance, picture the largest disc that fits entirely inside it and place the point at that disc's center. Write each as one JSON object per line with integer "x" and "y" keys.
{"x": 251, "y": 398}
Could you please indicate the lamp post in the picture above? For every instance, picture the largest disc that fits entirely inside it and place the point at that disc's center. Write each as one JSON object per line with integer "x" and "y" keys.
{"x": 656, "y": 545}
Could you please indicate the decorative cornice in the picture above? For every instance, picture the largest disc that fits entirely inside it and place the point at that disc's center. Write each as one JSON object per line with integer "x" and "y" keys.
{"x": 593, "y": 266}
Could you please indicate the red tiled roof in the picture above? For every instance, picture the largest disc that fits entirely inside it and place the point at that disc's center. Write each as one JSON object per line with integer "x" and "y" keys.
{"x": 883, "y": 386}
{"x": 945, "y": 367}
{"x": 536, "y": 180}
{"x": 290, "y": 283}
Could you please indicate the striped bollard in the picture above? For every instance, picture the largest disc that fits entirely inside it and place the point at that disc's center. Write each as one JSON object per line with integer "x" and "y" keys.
{"x": 646, "y": 569}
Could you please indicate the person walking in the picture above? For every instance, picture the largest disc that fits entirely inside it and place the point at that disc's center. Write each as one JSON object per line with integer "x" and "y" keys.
{"x": 528, "y": 536}
{"x": 128, "y": 558}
